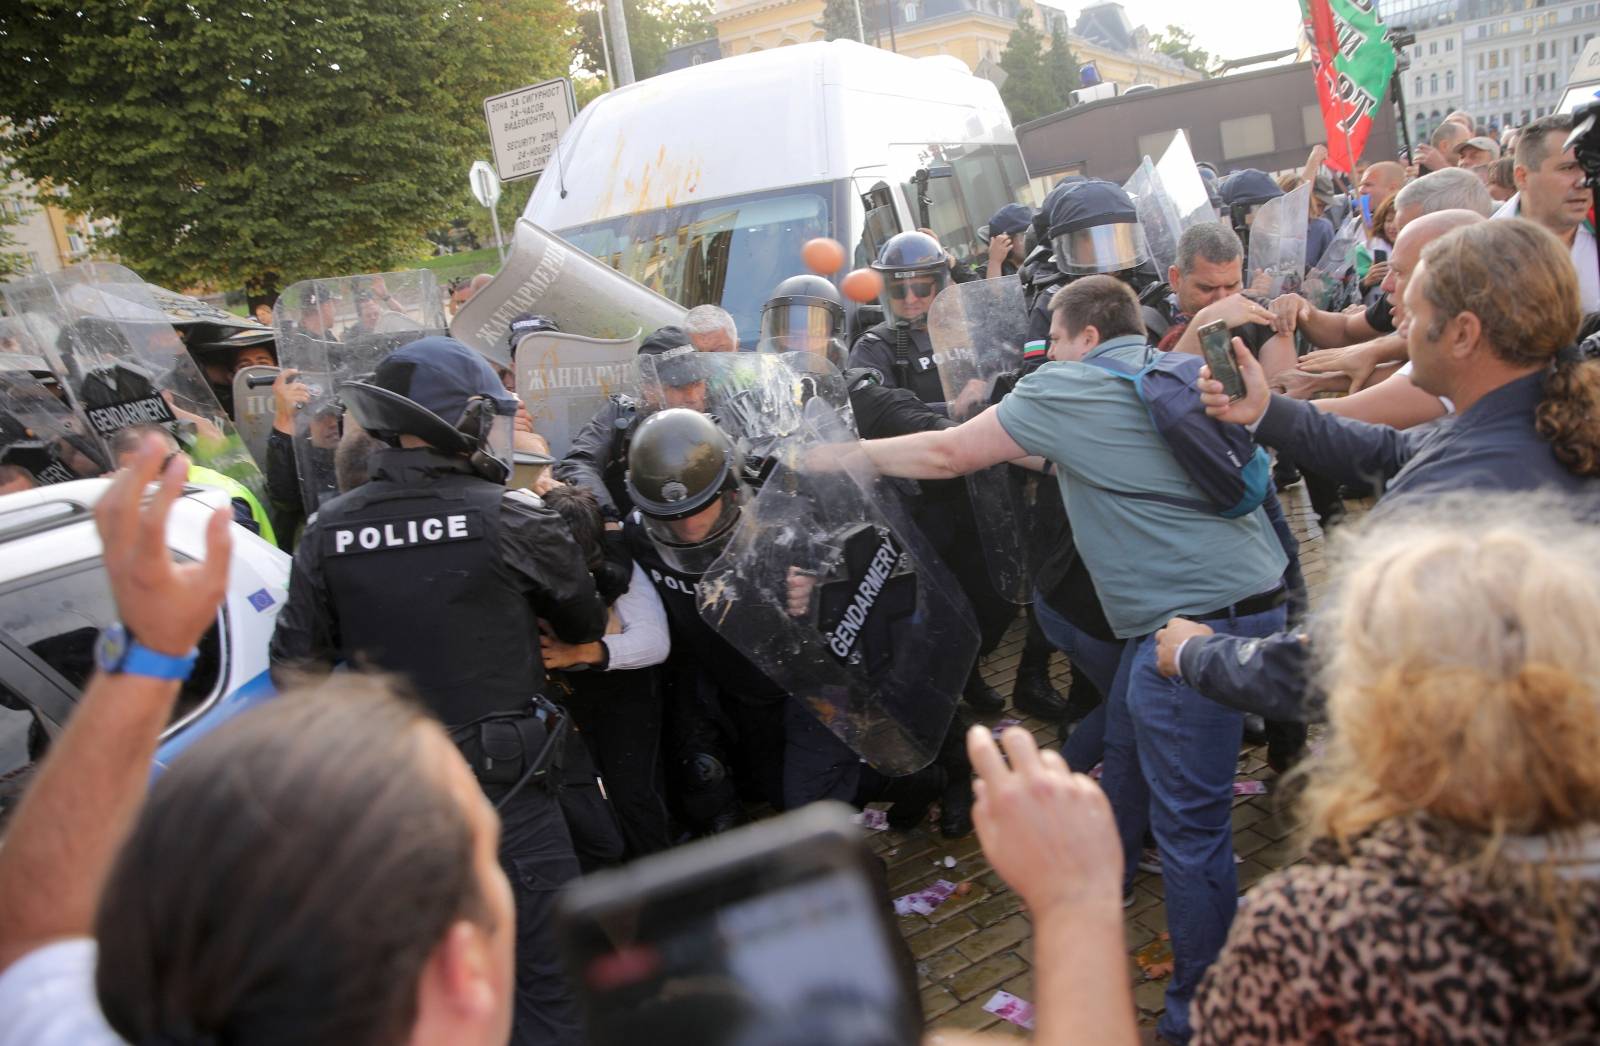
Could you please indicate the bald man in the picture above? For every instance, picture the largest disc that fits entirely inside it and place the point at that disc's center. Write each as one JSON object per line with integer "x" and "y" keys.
{"x": 1381, "y": 181}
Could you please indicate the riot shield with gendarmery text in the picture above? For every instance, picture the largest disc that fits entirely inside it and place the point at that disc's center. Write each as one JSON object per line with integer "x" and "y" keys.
{"x": 124, "y": 365}
{"x": 44, "y": 436}
{"x": 338, "y": 330}
{"x": 978, "y": 330}
{"x": 885, "y": 640}
{"x": 564, "y": 380}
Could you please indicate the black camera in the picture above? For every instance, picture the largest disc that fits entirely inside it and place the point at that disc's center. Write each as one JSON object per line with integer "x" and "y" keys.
{"x": 1585, "y": 139}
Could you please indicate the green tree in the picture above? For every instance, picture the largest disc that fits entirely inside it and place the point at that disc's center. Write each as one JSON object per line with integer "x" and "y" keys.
{"x": 1179, "y": 43}
{"x": 1062, "y": 66}
{"x": 1027, "y": 91}
{"x": 257, "y": 142}
{"x": 654, "y": 28}
{"x": 12, "y": 263}
{"x": 839, "y": 19}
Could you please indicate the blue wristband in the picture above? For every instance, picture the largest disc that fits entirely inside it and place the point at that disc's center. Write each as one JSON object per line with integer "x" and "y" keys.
{"x": 118, "y": 653}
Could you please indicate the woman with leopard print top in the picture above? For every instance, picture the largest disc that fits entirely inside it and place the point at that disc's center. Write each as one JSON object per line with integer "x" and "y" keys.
{"x": 1452, "y": 893}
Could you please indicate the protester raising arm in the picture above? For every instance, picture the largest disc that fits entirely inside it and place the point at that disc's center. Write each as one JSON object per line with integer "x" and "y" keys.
{"x": 80, "y": 806}
{"x": 1050, "y": 835}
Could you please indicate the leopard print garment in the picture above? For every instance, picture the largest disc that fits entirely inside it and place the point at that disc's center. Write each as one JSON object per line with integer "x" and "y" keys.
{"x": 1401, "y": 942}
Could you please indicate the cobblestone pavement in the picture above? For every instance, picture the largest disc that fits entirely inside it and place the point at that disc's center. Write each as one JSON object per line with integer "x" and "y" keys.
{"x": 982, "y": 941}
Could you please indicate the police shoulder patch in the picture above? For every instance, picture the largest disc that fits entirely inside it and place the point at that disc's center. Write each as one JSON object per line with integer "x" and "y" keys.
{"x": 381, "y": 535}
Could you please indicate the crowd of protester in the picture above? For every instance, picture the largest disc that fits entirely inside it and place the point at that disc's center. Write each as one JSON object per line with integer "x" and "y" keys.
{"x": 339, "y": 867}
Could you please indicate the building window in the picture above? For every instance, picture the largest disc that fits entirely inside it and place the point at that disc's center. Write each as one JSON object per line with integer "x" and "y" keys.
{"x": 1433, "y": 84}
{"x": 1418, "y": 90}
{"x": 1449, "y": 44}
{"x": 1494, "y": 59}
{"x": 1449, "y": 79}
{"x": 74, "y": 243}
{"x": 1527, "y": 85}
{"x": 1539, "y": 51}
{"x": 1247, "y": 136}
{"x": 1539, "y": 80}
{"x": 1433, "y": 47}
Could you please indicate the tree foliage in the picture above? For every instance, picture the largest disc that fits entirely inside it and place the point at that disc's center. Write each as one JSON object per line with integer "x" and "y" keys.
{"x": 1028, "y": 91}
{"x": 259, "y": 142}
{"x": 1178, "y": 42}
{"x": 12, "y": 263}
{"x": 654, "y": 28}
{"x": 1062, "y": 66}
{"x": 839, "y": 20}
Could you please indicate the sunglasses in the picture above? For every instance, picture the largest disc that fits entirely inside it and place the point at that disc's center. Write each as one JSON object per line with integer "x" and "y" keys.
{"x": 919, "y": 289}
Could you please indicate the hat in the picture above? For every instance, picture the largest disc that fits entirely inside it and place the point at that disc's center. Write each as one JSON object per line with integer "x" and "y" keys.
{"x": 526, "y": 324}
{"x": 1089, "y": 203}
{"x": 675, "y": 363}
{"x": 1488, "y": 145}
{"x": 442, "y": 375}
{"x": 1248, "y": 188}
{"x": 1010, "y": 220}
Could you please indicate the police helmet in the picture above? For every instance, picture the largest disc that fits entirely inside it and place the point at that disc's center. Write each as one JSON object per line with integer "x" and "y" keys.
{"x": 804, "y": 314}
{"x": 1242, "y": 192}
{"x": 680, "y": 466}
{"x": 667, "y": 360}
{"x": 915, "y": 269}
{"x": 526, "y": 324}
{"x": 1094, "y": 228}
{"x": 419, "y": 386}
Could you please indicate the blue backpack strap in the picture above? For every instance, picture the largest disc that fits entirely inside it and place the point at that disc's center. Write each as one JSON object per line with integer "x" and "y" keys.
{"x": 1128, "y": 372}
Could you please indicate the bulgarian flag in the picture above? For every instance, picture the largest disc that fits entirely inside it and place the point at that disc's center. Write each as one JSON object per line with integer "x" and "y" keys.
{"x": 1353, "y": 62}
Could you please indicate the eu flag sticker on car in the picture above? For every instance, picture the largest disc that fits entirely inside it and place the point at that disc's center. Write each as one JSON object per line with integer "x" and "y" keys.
{"x": 261, "y": 599}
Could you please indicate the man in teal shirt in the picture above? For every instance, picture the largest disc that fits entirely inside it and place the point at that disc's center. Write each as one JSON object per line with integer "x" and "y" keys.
{"x": 1170, "y": 753}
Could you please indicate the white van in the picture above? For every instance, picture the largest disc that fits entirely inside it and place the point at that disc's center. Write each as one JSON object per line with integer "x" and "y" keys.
{"x": 703, "y": 184}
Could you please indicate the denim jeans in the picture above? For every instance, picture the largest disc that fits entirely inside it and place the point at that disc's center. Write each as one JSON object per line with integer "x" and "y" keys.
{"x": 1171, "y": 756}
{"x": 1099, "y": 661}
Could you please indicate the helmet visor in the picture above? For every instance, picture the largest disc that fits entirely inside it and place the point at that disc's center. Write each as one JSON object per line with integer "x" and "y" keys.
{"x": 1100, "y": 248}
{"x": 909, "y": 297}
{"x": 797, "y": 326}
{"x": 691, "y": 544}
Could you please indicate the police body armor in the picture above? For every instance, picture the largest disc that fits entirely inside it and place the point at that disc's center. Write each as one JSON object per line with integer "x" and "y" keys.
{"x": 597, "y": 459}
{"x": 427, "y": 524}
{"x": 911, "y": 359}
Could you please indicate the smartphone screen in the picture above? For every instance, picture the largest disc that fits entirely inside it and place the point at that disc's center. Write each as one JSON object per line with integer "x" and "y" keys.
{"x": 772, "y": 951}
{"x": 1218, "y": 350}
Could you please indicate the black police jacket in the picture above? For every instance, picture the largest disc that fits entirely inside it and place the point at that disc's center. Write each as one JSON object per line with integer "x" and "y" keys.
{"x": 597, "y": 461}
{"x": 694, "y": 642}
{"x": 434, "y": 573}
{"x": 904, "y": 357}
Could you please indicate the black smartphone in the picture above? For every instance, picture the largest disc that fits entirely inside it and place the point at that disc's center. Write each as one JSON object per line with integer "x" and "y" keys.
{"x": 779, "y": 932}
{"x": 1378, "y": 256}
{"x": 1218, "y": 350}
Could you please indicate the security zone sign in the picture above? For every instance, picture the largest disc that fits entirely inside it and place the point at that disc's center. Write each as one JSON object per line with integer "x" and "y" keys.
{"x": 525, "y": 124}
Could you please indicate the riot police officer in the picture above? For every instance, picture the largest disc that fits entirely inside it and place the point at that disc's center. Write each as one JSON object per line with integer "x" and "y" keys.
{"x": 598, "y": 456}
{"x": 915, "y": 269}
{"x": 1092, "y": 228}
{"x": 433, "y": 571}
{"x": 1241, "y": 193}
{"x": 685, "y": 479}
{"x": 804, "y": 314}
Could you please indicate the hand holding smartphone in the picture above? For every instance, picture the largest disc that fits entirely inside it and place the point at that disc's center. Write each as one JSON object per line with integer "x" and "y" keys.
{"x": 1217, "y": 347}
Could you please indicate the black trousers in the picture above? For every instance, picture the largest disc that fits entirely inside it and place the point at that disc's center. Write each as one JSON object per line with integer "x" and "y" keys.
{"x": 619, "y": 717}
{"x": 536, "y": 855}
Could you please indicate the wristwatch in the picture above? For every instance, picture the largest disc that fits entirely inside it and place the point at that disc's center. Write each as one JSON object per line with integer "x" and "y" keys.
{"x": 118, "y": 653}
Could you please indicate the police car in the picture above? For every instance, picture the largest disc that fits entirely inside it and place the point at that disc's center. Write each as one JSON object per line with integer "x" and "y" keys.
{"x": 55, "y": 598}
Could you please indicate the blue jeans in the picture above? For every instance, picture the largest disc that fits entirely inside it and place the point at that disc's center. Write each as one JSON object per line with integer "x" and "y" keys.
{"x": 1098, "y": 660}
{"x": 1170, "y": 760}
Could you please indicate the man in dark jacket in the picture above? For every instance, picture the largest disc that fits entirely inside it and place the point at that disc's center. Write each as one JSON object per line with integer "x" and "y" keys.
{"x": 433, "y": 571}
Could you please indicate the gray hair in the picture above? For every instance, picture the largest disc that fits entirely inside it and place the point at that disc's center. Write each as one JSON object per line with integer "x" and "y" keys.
{"x": 1213, "y": 241}
{"x": 1450, "y": 189}
{"x": 708, "y": 319}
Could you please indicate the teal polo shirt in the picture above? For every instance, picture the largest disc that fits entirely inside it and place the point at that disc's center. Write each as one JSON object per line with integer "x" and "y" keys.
{"x": 1149, "y": 561}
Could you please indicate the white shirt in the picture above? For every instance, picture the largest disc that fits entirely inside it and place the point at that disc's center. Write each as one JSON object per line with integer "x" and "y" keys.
{"x": 47, "y": 998}
{"x": 1585, "y": 256}
{"x": 644, "y": 639}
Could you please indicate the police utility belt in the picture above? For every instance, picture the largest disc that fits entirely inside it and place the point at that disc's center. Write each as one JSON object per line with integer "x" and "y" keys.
{"x": 511, "y": 750}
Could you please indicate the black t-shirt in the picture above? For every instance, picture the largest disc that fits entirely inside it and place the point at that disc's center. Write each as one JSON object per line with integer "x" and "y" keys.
{"x": 1380, "y": 315}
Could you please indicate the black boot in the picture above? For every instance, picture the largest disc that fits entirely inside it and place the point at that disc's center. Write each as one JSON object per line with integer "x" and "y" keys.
{"x": 911, "y": 796}
{"x": 955, "y": 807}
{"x": 1033, "y": 693}
{"x": 984, "y": 699}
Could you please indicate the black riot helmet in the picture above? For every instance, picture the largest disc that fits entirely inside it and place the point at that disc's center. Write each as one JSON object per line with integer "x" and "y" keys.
{"x": 804, "y": 314}
{"x": 1094, "y": 228}
{"x": 683, "y": 478}
{"x": 419, "y": 386}
{"x": 1242, "y": 192}
{"x": 915, "y": 269}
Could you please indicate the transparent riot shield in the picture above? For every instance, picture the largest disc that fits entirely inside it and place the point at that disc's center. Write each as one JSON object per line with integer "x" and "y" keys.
{"x": 338, "y": 330}
{"x": 1330, "y": 283}
{"x": 1278, "y": 244}
{"x": 545, "y": 274}
{"x": 42, "y": 435}
{"x": 254, "y": 408}
{"x": 978, "y": 330}
{"x": 882, "y": 639}
{"x": 1158, "y": 215}
{"x": 1181, "y": 180}
{"x": 564, "y": 380}
{"x": 124, "y": 365}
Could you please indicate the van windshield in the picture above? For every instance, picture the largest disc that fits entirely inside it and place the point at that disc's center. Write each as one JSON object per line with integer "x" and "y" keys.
{"x": 730, "y": 252}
